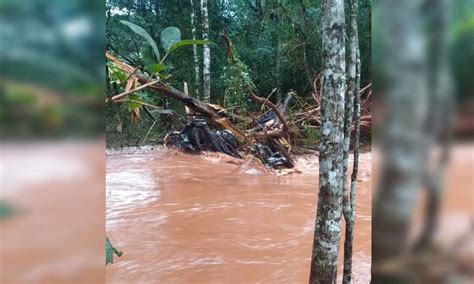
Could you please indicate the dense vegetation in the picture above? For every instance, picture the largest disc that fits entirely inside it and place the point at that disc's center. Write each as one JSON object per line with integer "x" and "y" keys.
{"x": 276, "y": 44}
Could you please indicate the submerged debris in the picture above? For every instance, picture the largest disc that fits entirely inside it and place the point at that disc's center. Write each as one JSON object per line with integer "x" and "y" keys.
{"x": 110, "y": 250}
{"x": 271, "y": 156}
{"x": 197, "y": 137}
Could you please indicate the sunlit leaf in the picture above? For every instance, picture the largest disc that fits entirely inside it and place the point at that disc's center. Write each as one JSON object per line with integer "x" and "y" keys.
{"x": 156, "y": 68}
{"x": 116, "y": 74}
{"x": 169, "y": 37}
{"x": 187, "y": 42}
{"x": 143, "y": 33}
{"x": 136, "y": 104}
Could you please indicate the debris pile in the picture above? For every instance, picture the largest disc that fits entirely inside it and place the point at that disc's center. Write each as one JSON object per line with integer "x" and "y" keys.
{"x": 196, "y": 137}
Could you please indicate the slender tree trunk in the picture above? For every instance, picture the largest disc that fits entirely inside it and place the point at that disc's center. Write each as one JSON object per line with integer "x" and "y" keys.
{"x": 278, "y": 72}
{"x": 352, "y": 102}
{"x": 328, "y": 230}
{"x": 197, "y": 78}
{"x": 441, "y": 117}
{"x": 279, "y": 56}
{"x": 403, "y": 142}
{"x": 206, "y": 70}
{"x": 307, "y": 69}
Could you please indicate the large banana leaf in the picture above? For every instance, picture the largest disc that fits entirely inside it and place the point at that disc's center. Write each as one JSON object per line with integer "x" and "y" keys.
{"x": 143, "y": 33}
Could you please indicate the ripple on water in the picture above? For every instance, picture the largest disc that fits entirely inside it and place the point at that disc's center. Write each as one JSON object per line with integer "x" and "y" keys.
{"x": 129, "y": 188}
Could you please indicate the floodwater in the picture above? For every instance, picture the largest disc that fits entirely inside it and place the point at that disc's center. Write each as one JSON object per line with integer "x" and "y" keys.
{"x": 181, "y": 218}
{"x": 57, "y": 235}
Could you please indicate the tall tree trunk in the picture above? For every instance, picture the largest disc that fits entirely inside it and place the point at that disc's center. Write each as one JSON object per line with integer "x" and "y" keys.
{"x": 327, "y": 230}
{"x": 352, "y": 102}
{"x": 278, "y": 72}
{"x": 403, "y": 142}
{"x": 279, "y": 51}
{"x": 206, "y": 70}
{"x": 307, "y": 69}
{"x": 441, "y": 117}
{"x": 197, "y": 78}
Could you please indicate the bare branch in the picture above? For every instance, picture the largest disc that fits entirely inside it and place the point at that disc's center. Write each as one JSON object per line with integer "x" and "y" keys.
{"x": 270, "y": 105}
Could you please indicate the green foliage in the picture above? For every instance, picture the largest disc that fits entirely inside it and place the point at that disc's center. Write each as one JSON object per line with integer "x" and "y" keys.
{"x": 169, "y": 37}
{"x": 143, "y": 33}
{"x": 236, "y": 78}
{"x": 134, "y": 102}
{"x": 188, "y": 42}
{"x": 156, "y": 68}
{"x": 262, "y": 33}
{"x": 311, "y": 134}
{"x": 110, "y": 251}
{"x": 149, "y": 60}
{"x": 116, "y": 75}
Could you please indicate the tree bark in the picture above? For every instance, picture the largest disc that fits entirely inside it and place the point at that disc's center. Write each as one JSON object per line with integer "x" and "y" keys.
{"x": 352, "y": 101}
{"x": 206, "y": 70}
{"x": 327, "y": 230}
{"x": 278, "y": 71}
{"x": 441, "y": 118}
{"x": 197, "y": 78}
{"x": 279, "y": 53}
{"x": 403, "y": 143}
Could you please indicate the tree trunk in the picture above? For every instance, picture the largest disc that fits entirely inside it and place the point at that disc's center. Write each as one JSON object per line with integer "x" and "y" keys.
{"x": 403, "y": 142}
{"x": 197, "y": 80}
{"x": 206, "y": 70}
{"x": 327, "y": 230}
{"x": 307, "y": 69}
{"x": 441, "y": 118}
{"x": 278, "y": 72}
{"x": 352, "y": 101}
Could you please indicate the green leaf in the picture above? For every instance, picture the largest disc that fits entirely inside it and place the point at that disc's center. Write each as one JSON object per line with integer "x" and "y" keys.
{"x": 116, "y": 74}
{"x": 134, "y": 105}
{"x": 148, "y": 56}
{"x": 156, "y": 68}
{"x": 169, "y": 37}
{"x": 187, "y": 42}
{"x": 152, "y": 66}
{"x": 143, "y": 33}
{"x": 110, "y": 251}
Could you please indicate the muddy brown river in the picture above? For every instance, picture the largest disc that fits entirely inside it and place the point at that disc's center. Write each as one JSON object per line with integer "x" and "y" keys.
{"x": 180, "y": 218}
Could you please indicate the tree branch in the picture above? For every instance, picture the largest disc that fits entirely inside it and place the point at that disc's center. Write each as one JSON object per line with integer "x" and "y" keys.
{"x": 270, "y": 105}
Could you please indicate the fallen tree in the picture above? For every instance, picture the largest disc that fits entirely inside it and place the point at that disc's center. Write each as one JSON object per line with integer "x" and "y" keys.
{"x": 213, "y": 112}
{"x": 274, "y": 131}
{"x": 197, "y": 136}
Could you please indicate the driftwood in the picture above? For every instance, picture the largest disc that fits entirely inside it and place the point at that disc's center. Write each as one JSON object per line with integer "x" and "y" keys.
{"x": 309, "y": 114}
{"x": 271, "y": 105}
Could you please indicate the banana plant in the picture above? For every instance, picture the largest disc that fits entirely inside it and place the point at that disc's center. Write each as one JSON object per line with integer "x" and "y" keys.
{"x": 170, "y": 39}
